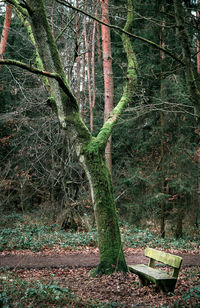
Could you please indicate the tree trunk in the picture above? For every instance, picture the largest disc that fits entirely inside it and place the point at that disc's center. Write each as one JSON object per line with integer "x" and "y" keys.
{"x": 78, "y": 65}
{"x": 179, "y": 223}
{"x": 6, "y": 27}
{"x": 90, "y": 150}
{"x": 108, "y": 74}
{"x": 162, "y": 57}
{"x": 109, "y": 240}
{"x": 4, "y": 35}
{"x": 88, "y": 65}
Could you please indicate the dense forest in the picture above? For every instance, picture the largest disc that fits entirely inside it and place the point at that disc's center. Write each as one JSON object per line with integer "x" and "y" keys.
{"x": 99, "y": 127}
{"x": 155, "y": 143}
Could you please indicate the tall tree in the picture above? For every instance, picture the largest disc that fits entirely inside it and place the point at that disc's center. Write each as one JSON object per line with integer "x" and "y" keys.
{"x": 108, "y": 74}
{"x": 90, "y": 150}
{"x": 4, "y": 35}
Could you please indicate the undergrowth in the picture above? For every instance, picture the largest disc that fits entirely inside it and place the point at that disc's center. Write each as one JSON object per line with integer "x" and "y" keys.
{"x": 18, "y": 232}
{"x": 15, "y": 292}
{"x": 33, "y": 293}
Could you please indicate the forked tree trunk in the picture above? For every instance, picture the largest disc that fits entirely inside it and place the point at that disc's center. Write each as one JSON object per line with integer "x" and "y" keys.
{"x": 90, "y": 150}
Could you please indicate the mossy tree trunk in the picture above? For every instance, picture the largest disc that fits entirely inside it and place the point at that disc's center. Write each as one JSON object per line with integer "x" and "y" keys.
{"x": 109, "y": 239}
{"x": 90, "y": 150}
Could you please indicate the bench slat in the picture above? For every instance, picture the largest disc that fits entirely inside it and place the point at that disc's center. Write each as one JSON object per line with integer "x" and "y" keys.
{"x": 151, "y": 273}
{"x": 166, "y": 258}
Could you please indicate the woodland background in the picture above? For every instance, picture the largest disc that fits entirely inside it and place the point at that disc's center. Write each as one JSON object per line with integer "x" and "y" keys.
{"x": 155, "y": 144}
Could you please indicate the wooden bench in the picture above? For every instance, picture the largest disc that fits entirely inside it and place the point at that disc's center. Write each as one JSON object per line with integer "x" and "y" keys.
{"x": 147, "y": 273}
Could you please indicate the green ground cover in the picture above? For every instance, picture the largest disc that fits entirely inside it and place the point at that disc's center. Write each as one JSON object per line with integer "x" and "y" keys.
{"x": 19, "y": 232}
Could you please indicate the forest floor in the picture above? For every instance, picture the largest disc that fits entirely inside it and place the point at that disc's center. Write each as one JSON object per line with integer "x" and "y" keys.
{"x": 72, "y": 270}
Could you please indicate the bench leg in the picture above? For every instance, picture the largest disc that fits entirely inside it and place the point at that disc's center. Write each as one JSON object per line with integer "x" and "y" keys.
{"x": 166, "y": 286}
{"x": 143, "y": 282}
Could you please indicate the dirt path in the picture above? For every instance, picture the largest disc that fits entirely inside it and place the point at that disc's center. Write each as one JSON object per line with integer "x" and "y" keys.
{"x": 28, "y": 261}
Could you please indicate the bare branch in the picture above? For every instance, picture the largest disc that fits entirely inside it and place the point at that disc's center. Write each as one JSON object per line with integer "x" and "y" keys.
{"x": 166, "y": 51}
{"x": 37, "y": 71}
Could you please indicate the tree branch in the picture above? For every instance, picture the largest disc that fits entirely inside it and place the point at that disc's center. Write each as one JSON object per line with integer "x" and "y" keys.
{"x": 37, "y": 71}
{"x": 18, "y": 6}
{"x": 166, "y": 51}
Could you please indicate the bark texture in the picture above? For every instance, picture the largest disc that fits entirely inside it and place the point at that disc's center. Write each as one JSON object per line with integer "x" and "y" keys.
{"x": 108, "y": 74}
{"x": 6, "y": 27}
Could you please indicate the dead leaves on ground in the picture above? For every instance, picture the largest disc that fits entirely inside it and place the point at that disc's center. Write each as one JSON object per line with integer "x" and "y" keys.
{"x": 117, "y": 288}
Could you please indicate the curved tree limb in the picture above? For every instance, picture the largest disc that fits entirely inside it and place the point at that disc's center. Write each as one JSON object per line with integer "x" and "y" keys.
{"x": 37, "y": 71}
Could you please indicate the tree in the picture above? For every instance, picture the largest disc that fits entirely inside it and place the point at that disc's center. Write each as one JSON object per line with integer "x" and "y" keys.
{"x": 90, "y": 150}
{"x": 108, "y": 74}
{"x": 4, "y": 35}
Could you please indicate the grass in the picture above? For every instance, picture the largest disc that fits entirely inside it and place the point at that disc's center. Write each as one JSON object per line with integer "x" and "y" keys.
{"x": 19, "y": 232}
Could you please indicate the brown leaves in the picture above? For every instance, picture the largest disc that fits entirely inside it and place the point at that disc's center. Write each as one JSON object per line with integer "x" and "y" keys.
{"x": 121, "y": 288}
{"x": 118, "y": 287}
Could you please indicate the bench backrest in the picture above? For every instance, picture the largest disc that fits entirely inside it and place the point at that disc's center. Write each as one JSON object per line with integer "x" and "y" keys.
{"x": 165, "y": 258}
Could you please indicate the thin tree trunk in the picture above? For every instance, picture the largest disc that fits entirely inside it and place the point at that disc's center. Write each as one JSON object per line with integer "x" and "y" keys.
{"x": 82, "y": 105}
{"x": 162, "y": 220}
{"x": 179, "y": 223}
{"x": 88, "y": 62}
{"x": 93, "y": 65}
{"x": 52, "y": 15}
{"x": 108, "y": 74}
{"x": 98, "y": 44}
{"x": 162, "y": 57}
{"x": 4, "y": 35}
{"x": 78, "y": 67}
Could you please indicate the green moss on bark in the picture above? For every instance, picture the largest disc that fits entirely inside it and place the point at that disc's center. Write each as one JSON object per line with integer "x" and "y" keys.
{"x": 109, "y": 239}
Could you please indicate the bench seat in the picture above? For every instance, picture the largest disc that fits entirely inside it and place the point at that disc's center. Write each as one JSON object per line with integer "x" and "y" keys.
{"x": 163, "y": 281}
